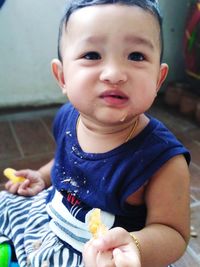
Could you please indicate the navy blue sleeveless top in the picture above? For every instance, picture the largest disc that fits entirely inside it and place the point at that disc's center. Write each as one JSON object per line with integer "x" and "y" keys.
{"x": 105, "y": 180}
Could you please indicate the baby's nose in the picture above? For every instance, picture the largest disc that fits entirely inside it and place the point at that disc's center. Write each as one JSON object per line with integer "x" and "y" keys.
{"x": 114, "y": 74}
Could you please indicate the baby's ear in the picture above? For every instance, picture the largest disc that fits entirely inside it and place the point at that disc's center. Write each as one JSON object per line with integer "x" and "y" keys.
{"x": 57, "y": 70}
{"x": 162, "y": 75}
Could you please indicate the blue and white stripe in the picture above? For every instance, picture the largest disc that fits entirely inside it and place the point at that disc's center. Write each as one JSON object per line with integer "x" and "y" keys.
{"x": 25, "y": 221}
{"x": 65, "y": 225}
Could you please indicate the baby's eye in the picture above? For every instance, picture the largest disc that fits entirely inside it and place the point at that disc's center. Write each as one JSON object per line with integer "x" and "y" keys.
{"x": 92, "y": 56}
{"x": 136, "y": 56}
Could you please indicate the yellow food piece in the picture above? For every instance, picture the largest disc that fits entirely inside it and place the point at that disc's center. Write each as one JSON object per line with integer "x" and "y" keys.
{"x": 10, "y": 174}
{"x": 95, "y": 225}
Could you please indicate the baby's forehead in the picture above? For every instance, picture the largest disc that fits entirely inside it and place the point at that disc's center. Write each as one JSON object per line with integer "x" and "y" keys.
{"x": 99, "y": 18}
{"x": 113, "y": 12}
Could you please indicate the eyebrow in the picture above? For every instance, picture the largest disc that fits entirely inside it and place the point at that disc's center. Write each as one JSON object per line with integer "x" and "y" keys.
{"x": 94, "y": 39}
{"x": 140, "y": 41}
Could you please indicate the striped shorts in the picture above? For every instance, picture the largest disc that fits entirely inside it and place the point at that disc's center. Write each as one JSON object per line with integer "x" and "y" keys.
{"x": 25, "y": 222}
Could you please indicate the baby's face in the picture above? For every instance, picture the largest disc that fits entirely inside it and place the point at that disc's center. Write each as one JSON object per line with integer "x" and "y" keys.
{"x": 111, "y": 61}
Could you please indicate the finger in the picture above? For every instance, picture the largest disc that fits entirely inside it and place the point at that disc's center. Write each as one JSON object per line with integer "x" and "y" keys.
{"x": 26, "y": 190}
{"x": 12, "y": 187}
{"x": 27, "y": 173}
{"x": 8, "y": 185}
{"x": 23, "y": 189}
{"x": 23, "y": 172}
{"x": 125, "y": 259}
{"x": 25, "y": 184}
{"x": 90, "y": 254}
{"x": 113, "y": 238}
{"x": 105, "y": 259}
{"x": 119, "y": 258}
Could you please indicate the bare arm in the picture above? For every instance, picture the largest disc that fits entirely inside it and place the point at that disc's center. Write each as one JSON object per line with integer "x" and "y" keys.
{"x": 45, "y": 171}
{"x": 165, "y": 237}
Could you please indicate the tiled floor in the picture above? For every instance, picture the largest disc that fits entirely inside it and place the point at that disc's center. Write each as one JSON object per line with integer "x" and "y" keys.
{"x": 26, "y": 142}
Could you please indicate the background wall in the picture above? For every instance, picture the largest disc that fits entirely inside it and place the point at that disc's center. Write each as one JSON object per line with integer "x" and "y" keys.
{"x": 175, "y": 14}
{"x": 28, "y": 34}
{"x": 28, "y": 30}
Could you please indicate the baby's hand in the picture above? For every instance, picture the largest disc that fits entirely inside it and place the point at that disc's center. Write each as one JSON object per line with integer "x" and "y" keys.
{"x": 24, "y": 182}
{"x": 115, "y": 249}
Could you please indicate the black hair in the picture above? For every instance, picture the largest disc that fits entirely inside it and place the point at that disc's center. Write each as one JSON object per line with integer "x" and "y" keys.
{"x": 151, "y": 6}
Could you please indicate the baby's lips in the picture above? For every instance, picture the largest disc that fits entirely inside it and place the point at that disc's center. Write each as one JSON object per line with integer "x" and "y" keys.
{"x": 114, "y": 93}
{"x": 10, "y": 174}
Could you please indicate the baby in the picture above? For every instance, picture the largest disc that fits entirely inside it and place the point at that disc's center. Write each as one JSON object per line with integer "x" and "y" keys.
{"x": 110, "y": 153}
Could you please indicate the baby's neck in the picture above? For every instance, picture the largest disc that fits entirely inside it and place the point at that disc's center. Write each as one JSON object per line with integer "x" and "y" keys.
{"x": 98, "y": 139}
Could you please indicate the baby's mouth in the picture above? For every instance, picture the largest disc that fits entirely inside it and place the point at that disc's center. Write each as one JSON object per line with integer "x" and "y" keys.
{"x": 114, "y": 97}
